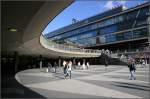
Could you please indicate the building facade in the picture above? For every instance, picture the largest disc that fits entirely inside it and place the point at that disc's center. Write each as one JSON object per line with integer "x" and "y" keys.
{"x": 117, "y": 29}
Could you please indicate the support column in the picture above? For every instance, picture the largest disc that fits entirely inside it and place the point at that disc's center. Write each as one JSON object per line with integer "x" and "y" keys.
{"x": 148, "y": 27}
{"x": 16, "y": 61}
{"x": 41, "y": 63}
{"x": 83, "y": 60}
{"x": 59, "y": 62}
{"x": 74, "y": 63}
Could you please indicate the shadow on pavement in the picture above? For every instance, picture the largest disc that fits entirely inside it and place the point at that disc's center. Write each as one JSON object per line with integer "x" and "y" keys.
{"x": 131, "y": 86}
{"x": 10, "y": 88}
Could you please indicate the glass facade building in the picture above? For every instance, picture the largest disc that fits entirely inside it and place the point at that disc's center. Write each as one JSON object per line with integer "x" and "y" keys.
{"x": 113, "y": 29}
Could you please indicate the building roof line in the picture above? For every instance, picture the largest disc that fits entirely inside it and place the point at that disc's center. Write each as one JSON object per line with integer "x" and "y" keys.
{"x": 125, "y": 11}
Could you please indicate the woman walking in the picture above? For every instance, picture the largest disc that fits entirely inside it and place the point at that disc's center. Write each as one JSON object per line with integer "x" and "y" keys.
{"x": 65, "y": 64}
{"x": 69, "y": 68}
{"x": 64, "y": 69}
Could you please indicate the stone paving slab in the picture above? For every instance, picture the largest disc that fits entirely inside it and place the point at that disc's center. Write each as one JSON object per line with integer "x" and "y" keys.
{"x": 97, "y": 82}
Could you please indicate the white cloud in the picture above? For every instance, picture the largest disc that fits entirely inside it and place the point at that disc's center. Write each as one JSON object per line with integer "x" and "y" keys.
{"x": 121, "y": 2}
{"x": 109, "y": 5}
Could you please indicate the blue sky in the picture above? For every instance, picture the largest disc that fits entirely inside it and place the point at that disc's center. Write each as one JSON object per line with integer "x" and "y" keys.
{"x": 81, "y": 9}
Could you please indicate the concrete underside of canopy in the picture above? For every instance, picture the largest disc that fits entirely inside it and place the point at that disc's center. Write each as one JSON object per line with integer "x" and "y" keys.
{"x": 26, "y": 40}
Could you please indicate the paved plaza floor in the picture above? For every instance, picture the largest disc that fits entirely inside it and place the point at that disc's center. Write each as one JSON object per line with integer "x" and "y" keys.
{"x": 96, "y": 82}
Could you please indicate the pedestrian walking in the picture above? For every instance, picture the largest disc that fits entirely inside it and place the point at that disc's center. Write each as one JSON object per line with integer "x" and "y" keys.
{"x": 64, "y": 64}
{"x": 79, "y": 65}
{"x": 106, "y": 63}
{"x": 132, "y": 68}
{"x": 69, "y": 68}
{"x": 49, "y": 66}
{"x": 143, "y": 63}
{"x": 66, "y": 70}
{"x": 87, "y": 64}
{"x": 83, "y": 65}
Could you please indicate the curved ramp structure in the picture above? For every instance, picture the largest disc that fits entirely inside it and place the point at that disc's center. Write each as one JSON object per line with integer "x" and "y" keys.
{"x": 68, "y": 51}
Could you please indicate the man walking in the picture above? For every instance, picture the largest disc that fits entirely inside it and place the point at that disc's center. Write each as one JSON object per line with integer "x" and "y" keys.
{"x": 132, "y": 68}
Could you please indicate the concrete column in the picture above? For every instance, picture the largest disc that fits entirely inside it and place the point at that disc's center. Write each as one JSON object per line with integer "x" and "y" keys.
{"x": 74, "y": 63}
{"x": 29, "y": 65}
{"x": 83, "y": 60}
{"x": 41, "y": 63}
{"x": 148, "y": 27}
{"x": 16, "y": 61}
{"x": 59, "y": 62}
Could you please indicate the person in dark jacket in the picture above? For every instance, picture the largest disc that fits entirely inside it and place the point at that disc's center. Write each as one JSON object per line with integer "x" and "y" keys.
{"x": 106, "y": 63}
{"x": 132, "y": 68}
{"x": 66, "y": 71}
{"x": 49, "y": 67}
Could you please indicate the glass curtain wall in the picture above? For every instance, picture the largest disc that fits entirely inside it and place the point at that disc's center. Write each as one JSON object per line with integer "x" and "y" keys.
{"x": 126, "y": 26}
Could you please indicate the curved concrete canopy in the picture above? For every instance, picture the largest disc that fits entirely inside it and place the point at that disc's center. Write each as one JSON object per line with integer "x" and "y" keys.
{"x": 30, "y": 18}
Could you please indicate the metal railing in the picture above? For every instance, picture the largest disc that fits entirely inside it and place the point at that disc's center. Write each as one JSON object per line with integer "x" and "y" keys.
{"x": 66, "y": 48}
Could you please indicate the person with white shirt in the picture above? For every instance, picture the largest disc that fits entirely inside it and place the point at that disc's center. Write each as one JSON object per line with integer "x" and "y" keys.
{"x": 87, "y": 64}
{"x": 79, "y": 65}
{"x": 83, "y": 65}
{"x": 69, "y": 68}
{"x": 143, "y": 63}
{"x": 64, "y": 67}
